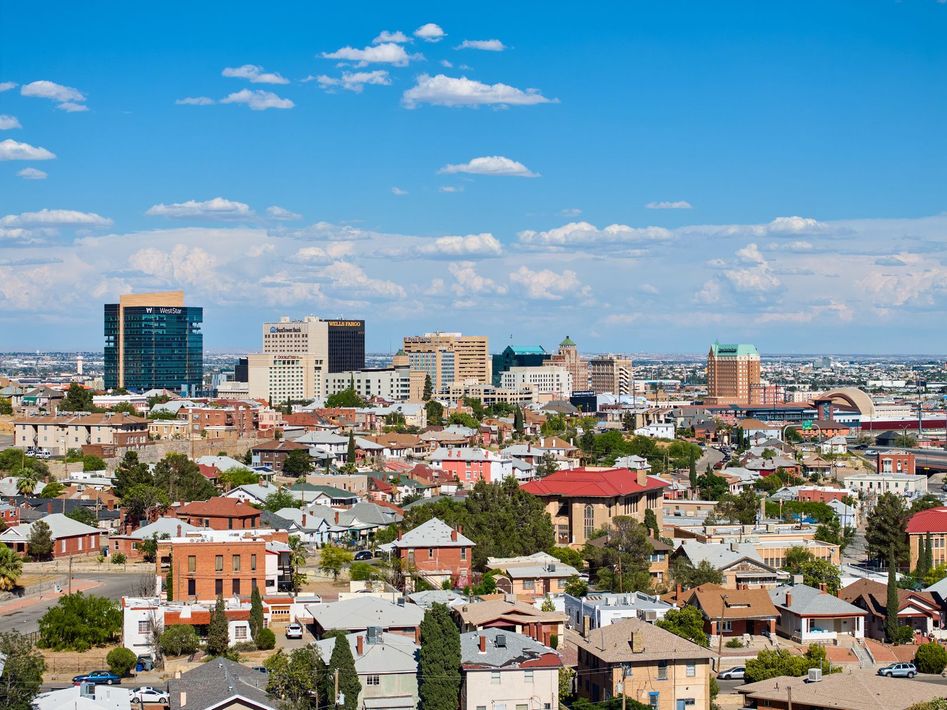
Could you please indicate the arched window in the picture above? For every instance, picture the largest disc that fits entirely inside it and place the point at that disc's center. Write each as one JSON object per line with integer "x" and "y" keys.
{"x": 589, "y": 520}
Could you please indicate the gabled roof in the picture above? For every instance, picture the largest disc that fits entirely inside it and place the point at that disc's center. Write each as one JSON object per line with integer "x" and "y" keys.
{"x": 361, "y": 612}
{"x": 434, "y": 533}
{"x": 211, "y": 684}
{"x": 614, "y": 644}
{"x": 393, "y": 653}
{"x": 809, "y": 601}
{"x": 718, "y": 603}
{"x": 163, "y": 526}
{"x": 874, "y": 597}
{"x": 480, "y": 613}
{"x": 59, "y": 526}
{"x": 220, "y": 507}
{"x": 721, "y": 555}
{"x": 514, "y": 652}
{"x": 585, "y": 483}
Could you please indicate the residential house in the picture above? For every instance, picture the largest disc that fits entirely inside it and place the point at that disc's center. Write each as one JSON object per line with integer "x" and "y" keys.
{"x": 506, "y": 613}
{"x": 810, "y": 615}
{"x": 70, "y": 537}
{"x": 472, "y": 464}
{"x": 436, "y": 552}
{"x": 130, "y": 544}
{"x": 637, "y": 660}
{"x": 834, "y": 445}
{"x": 386, "y": 664}
{"x": 221, "y": 684}
{"x": 357, "y": 614}
{"x": 84, "y": 696}
{"x": 733, "y": 612}
{"x": 502, "y": 669}
{"x": 739, "y": 563}
{"x": 919, "y": 610}
{"x": 604, "y": 608}
{"x": 583, "y": 500}
{"x": 219, "y": 513}
{"x": 538, "y": 575}
{"x": 58, "y": 434}
{"x": 273, "y": 454}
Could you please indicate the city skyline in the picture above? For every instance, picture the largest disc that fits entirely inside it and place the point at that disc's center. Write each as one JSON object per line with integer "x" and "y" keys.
{"x": 644, "y": 179}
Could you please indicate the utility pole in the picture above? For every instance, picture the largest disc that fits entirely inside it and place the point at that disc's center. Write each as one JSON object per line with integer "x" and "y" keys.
{"x": 335, "y": 698}
{"x": 70, "y": 574}
{"x": 788, "y": 697}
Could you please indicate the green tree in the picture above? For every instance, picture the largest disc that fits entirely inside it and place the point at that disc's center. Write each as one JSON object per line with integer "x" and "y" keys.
{"x": 568, "y": 556}
{"x": 279, "y": 499}
{"x": 464, "y": 419}
{"x": 218, "y": 634}
{"x": 924, "y": 557}
{"x": 772, "y": 663}
{"x": 333, "y": 559}
{"x": 689, "y": 576}
{"x": 547, "y": 465}
{"x": 342, "y": 662}
{"x": 120, "y": 661}
{"x": 26, "y": 482}
{"x": 347, "y": 398}
{"x": 576, "y": 586}
{"x": 297, "y": 560}
{"x": 6, "y": 408}
{"x": 298, "y": 678}
{"x": 435, "y": 412}
{"x": 257, "y": 620}
{"x": 179, "y": 640}
{"x": 925, "y": 502}
{"x": 11, "y": 567}
{"x": 439, "y": 660}
{"x": 742, "y": 508}
{"x": 130, "y": 472}
{"x": 79, "y": 622}
{"x": 40, "y": 541}
{"x": 351, "y": 454}
{"x": 77, "y": 399}
{"x": 885, "y": 529}
{"x": 566, "y": 681}
{"x": 815, "y": 572}
{"x": 23, "y": 669}
{"x": 710, "y": 486}
{"x": 692, "y": 474}
{"x": 651, "y": 523}
{"x": 181, "y": 479}
{"x": 297, "y": 463}
{"x": 265, "y": 640}
{"x": 686, "y": 622}
{"x": 428, "y": 388}
{"x": 236, "y": 477}
{"x": 53, "y": 489}
{"x": 83, "y": 515}
{"x": 892, "y": 604}
{"x": 931, "y": 658}
{"x": 141, "y": 498}
{"x": 518, "y": 426}
{"x": 622, "y": 563}
{"x": 93, "y": 463}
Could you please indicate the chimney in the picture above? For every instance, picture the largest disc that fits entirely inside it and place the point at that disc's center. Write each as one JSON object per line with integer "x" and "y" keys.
{"x": 637, "y": 642}
{"x": 360, "y": 645}
{"x": 49, "y": 506}
{"x": 642, "y": 477}
{"x": 183, "y": 700}
{"x": 788, "y": 599}
{"x": 453, "y": 535}
{"x": 399, "y": 534}
{"x": 179, "y": 531}
{"x": 678, "y": 590}
{"x": 822, "y": 586}
{"x": 304, "y": 520}
{"x": 483, "y": 644}
{"x": 336, "y": 517}
{"x": 417, "y": 635}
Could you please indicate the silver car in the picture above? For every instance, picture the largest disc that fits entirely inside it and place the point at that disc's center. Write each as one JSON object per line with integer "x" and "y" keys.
{"x": 294, "y": 631}
{"x": 898, "y": 670}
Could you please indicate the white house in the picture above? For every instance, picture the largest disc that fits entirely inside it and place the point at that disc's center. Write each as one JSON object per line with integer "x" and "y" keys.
{"x": 835, "y": 445}
{"x": 809, "y": 615}
{"x": 601, "y": 609}
{"x": 144, "y": 618}
{"x": 506, "y": 669}
{"x": 657, "y": 430}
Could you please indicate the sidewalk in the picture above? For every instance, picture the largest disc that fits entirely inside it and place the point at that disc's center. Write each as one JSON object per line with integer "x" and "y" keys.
{"x": 78, "y": 585}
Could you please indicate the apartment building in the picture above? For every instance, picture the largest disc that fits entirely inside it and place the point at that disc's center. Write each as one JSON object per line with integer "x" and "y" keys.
{"x": 733, "y": 370}
{"x": 551, "y": 382}
{"x": 58, "y": 434}
{"x": 394, "y": 384}
{"x": 610, "y": 374}
{"x": 449, "y": 357}
{"x": 502, "y": 669}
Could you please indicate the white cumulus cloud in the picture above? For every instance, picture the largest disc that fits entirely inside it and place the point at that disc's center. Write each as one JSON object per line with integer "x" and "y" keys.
{"x": 441, "y": 90}
{"x": 486, "y": 45}
{"x": 468, "y": 281}
{"x": 254, "y": 74}
{"x": 490, "y": 165}
{"x": 257, "y": 99}
{"x": 469, "y": 245}
{"x": 669, "y": 205}
{"x": 7, "y": 85}
{"x": 351, "y": 279}
{"x": 13, "y": 150}
{"x": 67, "y": 97}
{"x": 430, "y": 32}
{"x": 398, "y": 192}
{"x": 386, "y": 37}
{"x": 579, "y": 233}
{"x": 8, "y": 122}
{"x": 216, "y": 208}
{"x": 195, "y": 101}
{"x": 32, "y": 174}
{"x": 188, "y": 266}
{"x": 354, "y": 81}
{"x": 333, "y": 251}
{"x": 389, "y": 53}
{"x": 547, "y": 285}
{"x": 55, "y": 218}
{"x": 277, "y": 212}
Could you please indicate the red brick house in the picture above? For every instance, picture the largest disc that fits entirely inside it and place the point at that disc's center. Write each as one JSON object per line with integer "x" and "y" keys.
{"x": 219, "y": 514}
{"x": 274, "y": 453}
{"x": 437, "y": 552}
{"x": 895, "y": 462}
{"x": 70, "y": 537}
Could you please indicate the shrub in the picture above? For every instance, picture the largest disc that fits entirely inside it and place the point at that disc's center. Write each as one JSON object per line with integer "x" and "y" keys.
{"x": 903, "y": 634}
{"x": 121, "y": 661}
{"x": 179, "y": 640}
{"x": 931, "y": 658}
{"x": 362, "y": 571}
{"x": 265, "y": 639}
{"x": 79, "y": 622}
{"x": 554, "y": 641}
{"x": 734, "y": 643}
{"x": 119, "y": 558}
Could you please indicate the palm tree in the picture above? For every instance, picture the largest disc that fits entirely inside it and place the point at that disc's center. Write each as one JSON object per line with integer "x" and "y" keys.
{"x": 26, "y": 483}
{"x": 11, "y": 567}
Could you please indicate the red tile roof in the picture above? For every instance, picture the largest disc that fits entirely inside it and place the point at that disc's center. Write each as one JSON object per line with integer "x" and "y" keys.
{"x": 219, "y": 507}
{"x": 209, "y": 472}
{"x": 583, "y": 483}
{"x": 933, "y": 520}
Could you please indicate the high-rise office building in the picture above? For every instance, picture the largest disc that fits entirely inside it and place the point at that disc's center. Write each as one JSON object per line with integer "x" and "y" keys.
{"x": 517, "y": 356}
{"x": 568, "y": 357}
{"x": 449, "y": 357}
{"x": 346, "y": 345}
{"x": 152, "y": 340}
{"x": 733, "y": 372}
{"x": 610, "y": 374}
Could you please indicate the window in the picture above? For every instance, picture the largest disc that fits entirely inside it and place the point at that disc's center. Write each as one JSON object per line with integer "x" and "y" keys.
{"x": 235, "y": 561}
{"x": 144, "y": 627}
{"x": 494, "y": 677}
{"x": 529, "y": 584}
{"x": 524, "y": 706}
{"x": 373, "y": 680}
{"x": 191, "y": 563}
{"x": 528, "y": 676}
{"x": 662, "y": 670}
{"x": 240, "y": 633}
{"x": 463, "y": 553}
{"x": 691, "y": 670}
{"x": 219, "y": 563}
{"x": 235, "y": 585}
{"x": 726, "y": 626}
{"x": 589, "y": 520}
{"x": 218, "y": 587}
{"x": 253, "y": 562}
{"x": 430, "y": 553}
{"x": 481, "y": 707}
{"x": 191, "y": 587}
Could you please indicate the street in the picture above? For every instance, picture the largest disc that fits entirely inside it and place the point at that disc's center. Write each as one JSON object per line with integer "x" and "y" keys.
{"x": 114, "y": 586}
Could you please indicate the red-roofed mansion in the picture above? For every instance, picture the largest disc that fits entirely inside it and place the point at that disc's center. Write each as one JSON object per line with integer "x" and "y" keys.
{"x": 582, "y": 500}
{"x": 933, "y": 521}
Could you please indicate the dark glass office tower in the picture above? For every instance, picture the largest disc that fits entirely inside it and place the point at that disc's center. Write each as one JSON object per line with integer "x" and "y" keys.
{"x": 154, "y": 343}
{"x": 346, "y": 345}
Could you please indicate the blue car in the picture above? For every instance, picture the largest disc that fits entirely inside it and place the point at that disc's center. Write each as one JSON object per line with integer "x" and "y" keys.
{"x": 98, "y": 678}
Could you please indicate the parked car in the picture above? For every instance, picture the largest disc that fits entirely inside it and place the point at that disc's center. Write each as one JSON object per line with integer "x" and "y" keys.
{"x": 736, "y": 673}
{"x": 364, "y": 555}
{"x": 147, "y": 694}
{"x": 898, "y": 670}
{"x": 294, "y": 631}
{"x": 98, "y": 678}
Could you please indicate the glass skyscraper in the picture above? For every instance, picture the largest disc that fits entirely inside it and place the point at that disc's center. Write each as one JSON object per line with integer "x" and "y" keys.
{"x": 154, "y": 341}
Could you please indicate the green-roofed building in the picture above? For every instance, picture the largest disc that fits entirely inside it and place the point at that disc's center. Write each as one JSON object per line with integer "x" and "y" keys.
{"x": 733, "y": 373}
{"x": 517, "y": 356}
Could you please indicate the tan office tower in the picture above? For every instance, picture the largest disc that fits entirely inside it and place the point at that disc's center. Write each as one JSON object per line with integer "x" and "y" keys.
{"x": 733, "y": 370}
{"x": 449, "y": 357}
{"x": 569, "y": 358}
{"x": 610, "y": 374}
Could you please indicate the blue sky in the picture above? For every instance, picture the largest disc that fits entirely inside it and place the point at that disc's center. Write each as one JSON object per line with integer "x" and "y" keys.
{"x": 643, "y": 176}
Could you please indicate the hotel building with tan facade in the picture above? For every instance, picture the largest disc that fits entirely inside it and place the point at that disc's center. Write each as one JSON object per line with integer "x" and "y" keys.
{"x": 450, "y": 357}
